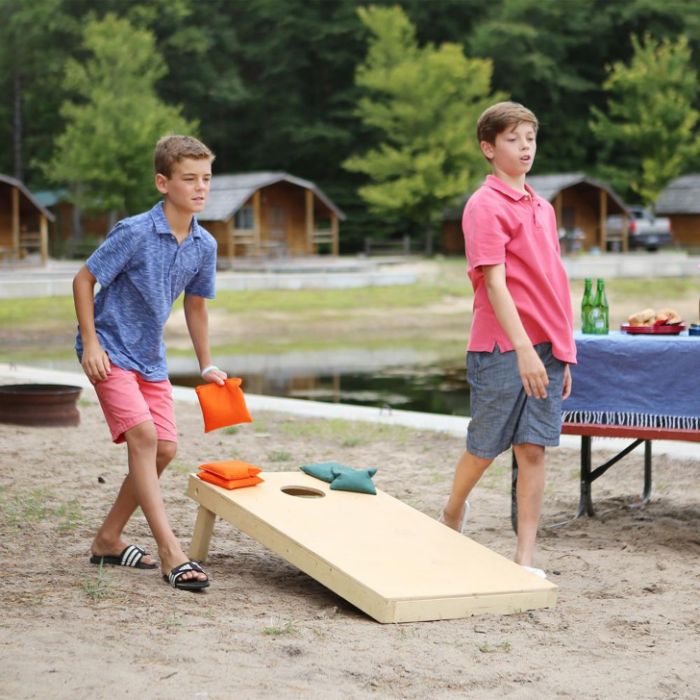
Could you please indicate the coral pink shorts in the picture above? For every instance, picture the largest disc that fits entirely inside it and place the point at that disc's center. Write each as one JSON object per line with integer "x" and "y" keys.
{"x": 128, "y": 400}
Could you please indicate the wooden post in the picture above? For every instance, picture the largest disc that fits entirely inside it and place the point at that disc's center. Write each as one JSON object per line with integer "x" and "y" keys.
{"x": 334, "y": 233}
{"x": 257, "y": 222}
{"x": 15, "y": 222}
{"x": 603, "y": 214}
{"x": 44, "y": 240}
{"x": 230, "y": 245}
{"x": 557, "y": 209}
{"x": 309, "y": 218}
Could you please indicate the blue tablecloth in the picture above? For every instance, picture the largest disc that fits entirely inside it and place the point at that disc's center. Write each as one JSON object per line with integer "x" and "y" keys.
{"x": 638, "y": 380}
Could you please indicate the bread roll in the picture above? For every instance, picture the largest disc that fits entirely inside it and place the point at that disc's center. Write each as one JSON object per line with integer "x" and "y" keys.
{"x": 645, "y": 317}
{"x": 667, "y": 316}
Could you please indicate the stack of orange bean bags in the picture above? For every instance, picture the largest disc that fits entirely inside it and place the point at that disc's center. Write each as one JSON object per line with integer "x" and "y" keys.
{"x": 230, "y": 474}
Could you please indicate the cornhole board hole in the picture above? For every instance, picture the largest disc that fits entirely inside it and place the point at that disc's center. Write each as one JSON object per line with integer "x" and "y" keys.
{"x": 389, "y": 560}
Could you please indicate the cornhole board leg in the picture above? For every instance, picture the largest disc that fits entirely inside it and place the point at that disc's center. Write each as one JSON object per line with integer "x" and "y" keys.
{"x": 203, "y": 528}
{"x": 389, "y": 560}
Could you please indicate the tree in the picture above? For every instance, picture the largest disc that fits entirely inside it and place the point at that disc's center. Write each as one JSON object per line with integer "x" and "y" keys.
{"x": 650, "y": 132}
{"x": 424, "y": 101}
{"x": 105, "y": 151}
{"x": 34, "y": 41}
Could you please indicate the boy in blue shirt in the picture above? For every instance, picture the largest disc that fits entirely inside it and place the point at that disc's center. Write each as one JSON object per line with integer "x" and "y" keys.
{"x": 145, "y": 263}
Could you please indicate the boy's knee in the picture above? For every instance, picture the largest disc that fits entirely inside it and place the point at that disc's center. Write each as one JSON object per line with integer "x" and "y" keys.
{"x": 166, "y": 452}
{"x": 531, "y": 454}
{"x": 142, "y": 435}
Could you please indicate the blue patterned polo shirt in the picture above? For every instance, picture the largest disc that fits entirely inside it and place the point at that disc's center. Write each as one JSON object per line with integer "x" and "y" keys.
{"x": 142, "y": 270}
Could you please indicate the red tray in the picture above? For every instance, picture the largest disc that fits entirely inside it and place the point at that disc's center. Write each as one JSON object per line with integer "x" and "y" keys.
{"x": 674, "y": 329}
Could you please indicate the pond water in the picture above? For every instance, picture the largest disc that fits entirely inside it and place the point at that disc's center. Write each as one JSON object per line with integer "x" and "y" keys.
{"x": 400, "y": 378}
{"x": 431, "y": 388}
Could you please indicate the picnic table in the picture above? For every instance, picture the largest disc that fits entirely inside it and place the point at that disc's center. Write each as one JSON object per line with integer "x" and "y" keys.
{"x": 641, "y": 387}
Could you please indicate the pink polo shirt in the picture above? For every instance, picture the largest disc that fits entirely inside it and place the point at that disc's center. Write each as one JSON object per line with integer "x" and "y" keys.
{"x": 502, "y": 225}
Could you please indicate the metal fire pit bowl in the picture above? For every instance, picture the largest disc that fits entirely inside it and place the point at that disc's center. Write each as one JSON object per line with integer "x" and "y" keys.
{"x": 39, "y": 404}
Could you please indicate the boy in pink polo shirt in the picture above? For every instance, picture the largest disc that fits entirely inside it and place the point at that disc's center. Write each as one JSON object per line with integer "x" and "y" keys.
{"x": 521, "y": 341}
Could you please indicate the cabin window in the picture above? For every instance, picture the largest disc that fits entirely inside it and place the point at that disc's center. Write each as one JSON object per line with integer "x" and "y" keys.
{"x": 244, "y": 218}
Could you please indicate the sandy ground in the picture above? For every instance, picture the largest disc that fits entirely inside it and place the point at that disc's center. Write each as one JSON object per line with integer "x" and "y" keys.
{"x": 625, "y": 624}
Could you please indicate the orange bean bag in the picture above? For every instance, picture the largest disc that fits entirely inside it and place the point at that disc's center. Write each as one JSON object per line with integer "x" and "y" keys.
{"x": 231, "y": 469}
{"x": 222, "y": 405}
{"x": 229, "y": 483}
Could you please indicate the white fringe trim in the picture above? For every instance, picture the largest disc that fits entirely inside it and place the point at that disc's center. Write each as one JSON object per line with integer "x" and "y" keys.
{"x": 633, "y": 420}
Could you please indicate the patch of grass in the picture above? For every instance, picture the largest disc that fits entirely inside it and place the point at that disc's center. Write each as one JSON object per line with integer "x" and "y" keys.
{"x": 231, "y": 430}
{"x": 172, "y": 621}
{"x": 301, "y": 340}
{"x": 502, "y": 648}
{"x": 352, "y": 441}
{"x": 98, "y": 588}
{"x": 180, "y": 468}
{"x": 651, "y": 287}
{"x": 341, "y": 431}
{"x": 37, "y": 312}
{"x": 306, "y": 301}
{"x": 278, "y": 630}
{"x": 280, "y": 456}
{"x": 26, "y": 507}
{"x": 69, "y": 514}
{"x": 30, "y": 507}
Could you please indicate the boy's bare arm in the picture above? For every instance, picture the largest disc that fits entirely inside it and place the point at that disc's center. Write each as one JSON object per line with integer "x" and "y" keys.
{"x": 95, "y": 362}
{"x": 532, "y": 371}
{"x": 197, "y": 319}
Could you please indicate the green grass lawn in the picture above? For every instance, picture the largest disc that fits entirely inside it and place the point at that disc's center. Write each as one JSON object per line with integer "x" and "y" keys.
{"x": 450, "y": 282}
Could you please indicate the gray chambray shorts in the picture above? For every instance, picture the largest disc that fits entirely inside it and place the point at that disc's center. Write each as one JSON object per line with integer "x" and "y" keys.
{"x": 502, "y": 413}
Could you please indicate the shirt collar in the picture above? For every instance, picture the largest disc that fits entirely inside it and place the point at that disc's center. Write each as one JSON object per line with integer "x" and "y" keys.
{"x": 496, "y": 184}
{"x": 163, "y": 227}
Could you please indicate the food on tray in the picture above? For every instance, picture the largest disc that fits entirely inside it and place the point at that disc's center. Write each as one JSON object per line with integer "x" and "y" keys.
{"x": 667, "y": 316}
{"x": 651, "y": 317}
{"x": 645, "y": 317}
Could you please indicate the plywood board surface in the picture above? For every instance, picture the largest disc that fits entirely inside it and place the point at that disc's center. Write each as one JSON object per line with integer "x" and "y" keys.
{"x": 385, "y": 557}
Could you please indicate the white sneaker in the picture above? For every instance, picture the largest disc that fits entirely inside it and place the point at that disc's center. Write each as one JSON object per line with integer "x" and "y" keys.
{"x": 538, "y": 572}
{"x": 465, "y": 516}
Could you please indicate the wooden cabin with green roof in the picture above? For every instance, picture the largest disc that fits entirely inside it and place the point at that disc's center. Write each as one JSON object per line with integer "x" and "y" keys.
{"x": 24, "y": 222}
{"x": 581, "y": 205}
{"x": 270, "y": 214}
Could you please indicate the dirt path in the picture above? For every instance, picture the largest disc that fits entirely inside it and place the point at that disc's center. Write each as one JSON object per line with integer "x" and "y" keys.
{"x": 624, "y": 624}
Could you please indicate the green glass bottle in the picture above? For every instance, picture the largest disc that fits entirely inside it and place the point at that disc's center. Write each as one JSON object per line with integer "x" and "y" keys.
{"x": 600, "y": 311}
{"x": 587, "y": 305}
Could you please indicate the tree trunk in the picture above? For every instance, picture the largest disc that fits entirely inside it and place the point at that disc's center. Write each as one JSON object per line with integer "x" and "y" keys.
{"x": 429, "y": 240}
{"x": 17, "y": 127}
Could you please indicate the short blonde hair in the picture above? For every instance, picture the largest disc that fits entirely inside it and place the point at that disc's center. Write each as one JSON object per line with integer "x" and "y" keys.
{"x": 174, "y": 148}
{"x": 500, "y": 117}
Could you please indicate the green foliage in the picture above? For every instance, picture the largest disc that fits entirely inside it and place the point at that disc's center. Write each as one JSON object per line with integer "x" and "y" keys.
{"x": 650, "y": 132}
{"x": 424, "y": 101}
{"x": 112, "y": 124}
{"x": 35, "y": 39}
{"x": 544, "y": 57}
{"x": 272, "y": 84}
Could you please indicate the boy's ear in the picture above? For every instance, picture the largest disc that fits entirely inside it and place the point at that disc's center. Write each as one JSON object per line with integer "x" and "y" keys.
{"x": 486, "y": 149}
{"x": 161, "y": 183}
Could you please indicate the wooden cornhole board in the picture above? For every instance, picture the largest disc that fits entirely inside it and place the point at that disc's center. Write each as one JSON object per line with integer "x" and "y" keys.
{"x": 388, "y": 559}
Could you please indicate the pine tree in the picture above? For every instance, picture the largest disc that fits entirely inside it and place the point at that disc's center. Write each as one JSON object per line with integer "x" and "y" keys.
{"x": 650, "y": 131}
{"x": 423, "y": 101}
{"x": 114, "y": 120}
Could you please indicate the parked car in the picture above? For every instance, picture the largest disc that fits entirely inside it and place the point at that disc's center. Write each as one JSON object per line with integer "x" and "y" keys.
{"x": 645, "y": 230}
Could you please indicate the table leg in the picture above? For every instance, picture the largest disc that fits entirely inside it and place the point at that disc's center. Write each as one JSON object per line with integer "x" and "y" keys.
{"x": 514, "y": 494}
{"x": 646, "y": 495}
{"x": 585, "y": 505}
{"x": 203, "y": 528}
